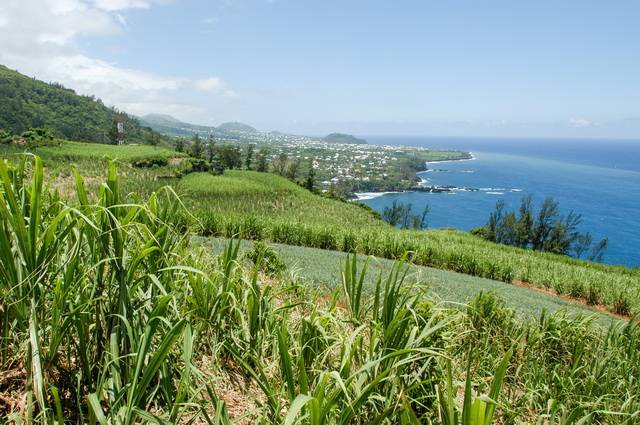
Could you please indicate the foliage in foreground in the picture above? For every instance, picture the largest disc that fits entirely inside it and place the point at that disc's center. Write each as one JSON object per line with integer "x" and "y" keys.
{"x": 108, "y": 317}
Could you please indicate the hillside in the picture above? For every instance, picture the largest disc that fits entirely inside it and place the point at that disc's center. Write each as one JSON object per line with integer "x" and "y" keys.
{"x": 27, "y": 102}
{"x": 345, "y": 139}
{"x": 169, "y": 125}
{"x": 166, "y": 326}
{"x": 317, "y": 267}
{"x": 237, "y": 127}
{"x": 267, "y": 198}
{"x": 264, "y": 206}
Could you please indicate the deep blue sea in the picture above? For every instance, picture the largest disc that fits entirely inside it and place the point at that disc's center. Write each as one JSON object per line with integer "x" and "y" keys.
{"x": 599, "y": 179}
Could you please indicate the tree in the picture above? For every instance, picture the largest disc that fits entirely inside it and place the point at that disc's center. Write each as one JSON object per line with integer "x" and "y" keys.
{"x": 152, "y": 138}
{"x": 5, "y": 136}
{"x": 549, "y": 231}
{"x": 280, "y": 164}
{"x": 543, "y": 226}
{"x": 112, "y": 134}
{"x": 597, "y": 252}
{"x": 399, "y": 214}
{"x": 230, "y": 156}
{"x": 394, "y": 213}
{"x": 261, "y": 160}
{"x": 310, "y": 182}
{"x": 249, "y": 156}
{"x": 423, "y": 224}
{"x": 211, "y": 150}
{"x": 196, "y": 147}
{"x": 582, "y": 245}
{"x": 180, "y": 145}
{"x": 292, "y": 170}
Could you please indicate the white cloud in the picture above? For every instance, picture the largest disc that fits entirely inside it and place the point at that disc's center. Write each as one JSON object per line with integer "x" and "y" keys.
{"x": 113, "y": 5}
{"x": 580, "y": 123}
{"x": 37, "y": 38}
{"x": 214, "y": 85}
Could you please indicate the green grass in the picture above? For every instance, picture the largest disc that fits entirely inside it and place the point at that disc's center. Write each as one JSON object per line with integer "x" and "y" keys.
{"x": 319, "y": 268}
{"x": 242, "y": 194}
{"x": 110, "y": 316}
{"x": 262, "y": 206}
{"x": 77, "y": 151}
{"x": 253, "y": 205}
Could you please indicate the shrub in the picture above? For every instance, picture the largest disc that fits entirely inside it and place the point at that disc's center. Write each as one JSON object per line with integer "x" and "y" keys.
{"x": 266, "y": 259}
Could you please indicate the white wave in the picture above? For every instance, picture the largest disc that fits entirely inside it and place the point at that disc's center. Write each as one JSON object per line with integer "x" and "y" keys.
{"x": 516, "y": 190}
{"x": 495, "y": 193}
{"x": 363, "y": 196}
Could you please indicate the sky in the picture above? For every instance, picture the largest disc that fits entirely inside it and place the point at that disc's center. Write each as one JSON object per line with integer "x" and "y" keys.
{"x": 531, "y": 68}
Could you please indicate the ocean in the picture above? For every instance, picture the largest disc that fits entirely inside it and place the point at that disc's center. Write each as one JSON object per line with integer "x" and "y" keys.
{"x": 599, "y": 179}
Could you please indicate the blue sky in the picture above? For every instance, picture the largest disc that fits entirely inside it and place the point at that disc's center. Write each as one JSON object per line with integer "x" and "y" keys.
{"x": 525, "y": 68}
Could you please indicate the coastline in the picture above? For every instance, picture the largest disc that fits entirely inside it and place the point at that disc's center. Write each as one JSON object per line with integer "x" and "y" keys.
{"x": 473, "y": 158}
{"x": 364, "y": 196}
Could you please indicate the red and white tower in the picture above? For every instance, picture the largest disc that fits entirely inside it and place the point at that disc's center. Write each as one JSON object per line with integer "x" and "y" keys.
{"x": 120, "y": 130}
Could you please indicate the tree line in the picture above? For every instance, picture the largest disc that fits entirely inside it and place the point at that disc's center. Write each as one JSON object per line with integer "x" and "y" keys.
{"x": 545, "y": 230}
{"x": 212, "y": 156}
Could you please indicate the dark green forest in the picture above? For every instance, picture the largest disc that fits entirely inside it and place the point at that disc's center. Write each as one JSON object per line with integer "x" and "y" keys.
{"x": 29, "y": 103}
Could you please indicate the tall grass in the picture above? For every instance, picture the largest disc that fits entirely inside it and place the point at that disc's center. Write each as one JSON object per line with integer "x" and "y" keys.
{"x": 109, "y": 317}
{"x": 262, "y": 206}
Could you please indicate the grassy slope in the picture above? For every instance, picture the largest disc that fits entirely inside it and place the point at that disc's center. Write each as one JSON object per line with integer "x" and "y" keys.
{"x": 320, "y": 267}
{"x": 282, "y": 211}
{"x": 91, "y": 160}
{"x": 249, "y": 193}
{"x": 264, "y": 206}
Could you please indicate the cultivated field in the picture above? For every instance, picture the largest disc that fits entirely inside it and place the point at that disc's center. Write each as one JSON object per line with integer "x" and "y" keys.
{"x": 253, "y": 205}
{"x": 111, "y": 316}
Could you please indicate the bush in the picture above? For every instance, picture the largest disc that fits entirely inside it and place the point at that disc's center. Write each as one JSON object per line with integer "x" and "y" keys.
{"x": 5, "y": 136}
{"x": 150, "y": 162}
{"x": 266, "y": 259}
{"x": 37, "y": 137}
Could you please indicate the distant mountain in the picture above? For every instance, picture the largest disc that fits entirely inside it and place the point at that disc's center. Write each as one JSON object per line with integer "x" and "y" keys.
{"x": 27, "y": 102}
{"x": 160, "y": 119}
{"x": 237, "y": 127}
{"x": 344, "y": 139}
{"x": 167, "y": 124}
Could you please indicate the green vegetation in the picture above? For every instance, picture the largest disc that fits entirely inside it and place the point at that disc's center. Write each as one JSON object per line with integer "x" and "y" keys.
{"x": 401, "y": 215}
{"x": 29, "y": 103}
{"x": 345, "y": 139}
{"x": 545, "y": 231}
{"x": 316, "y": 269}
{"x": 110, "y": 316}
{"x": 237, "y": 127}
{"x": 263, "y": 198}
{"x": 253, "y": 205}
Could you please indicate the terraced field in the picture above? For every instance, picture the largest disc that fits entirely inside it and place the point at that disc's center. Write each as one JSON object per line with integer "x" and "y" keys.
{"x": 253, "y": 205}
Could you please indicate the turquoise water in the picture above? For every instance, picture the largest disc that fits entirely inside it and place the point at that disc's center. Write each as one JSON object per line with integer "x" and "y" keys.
{"x": 598, "y": 179}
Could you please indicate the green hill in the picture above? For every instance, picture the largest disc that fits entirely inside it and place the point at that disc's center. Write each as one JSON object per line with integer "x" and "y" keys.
{"x": 264, "y": 197}
{"x": 27, "y": 102}
{"x": 169, "y": 125}
{"x": 264, "y": 206}
{"x": 237, "y": 127}
{"x": 111, "y": 314}
{"x": 346, "y": 139}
